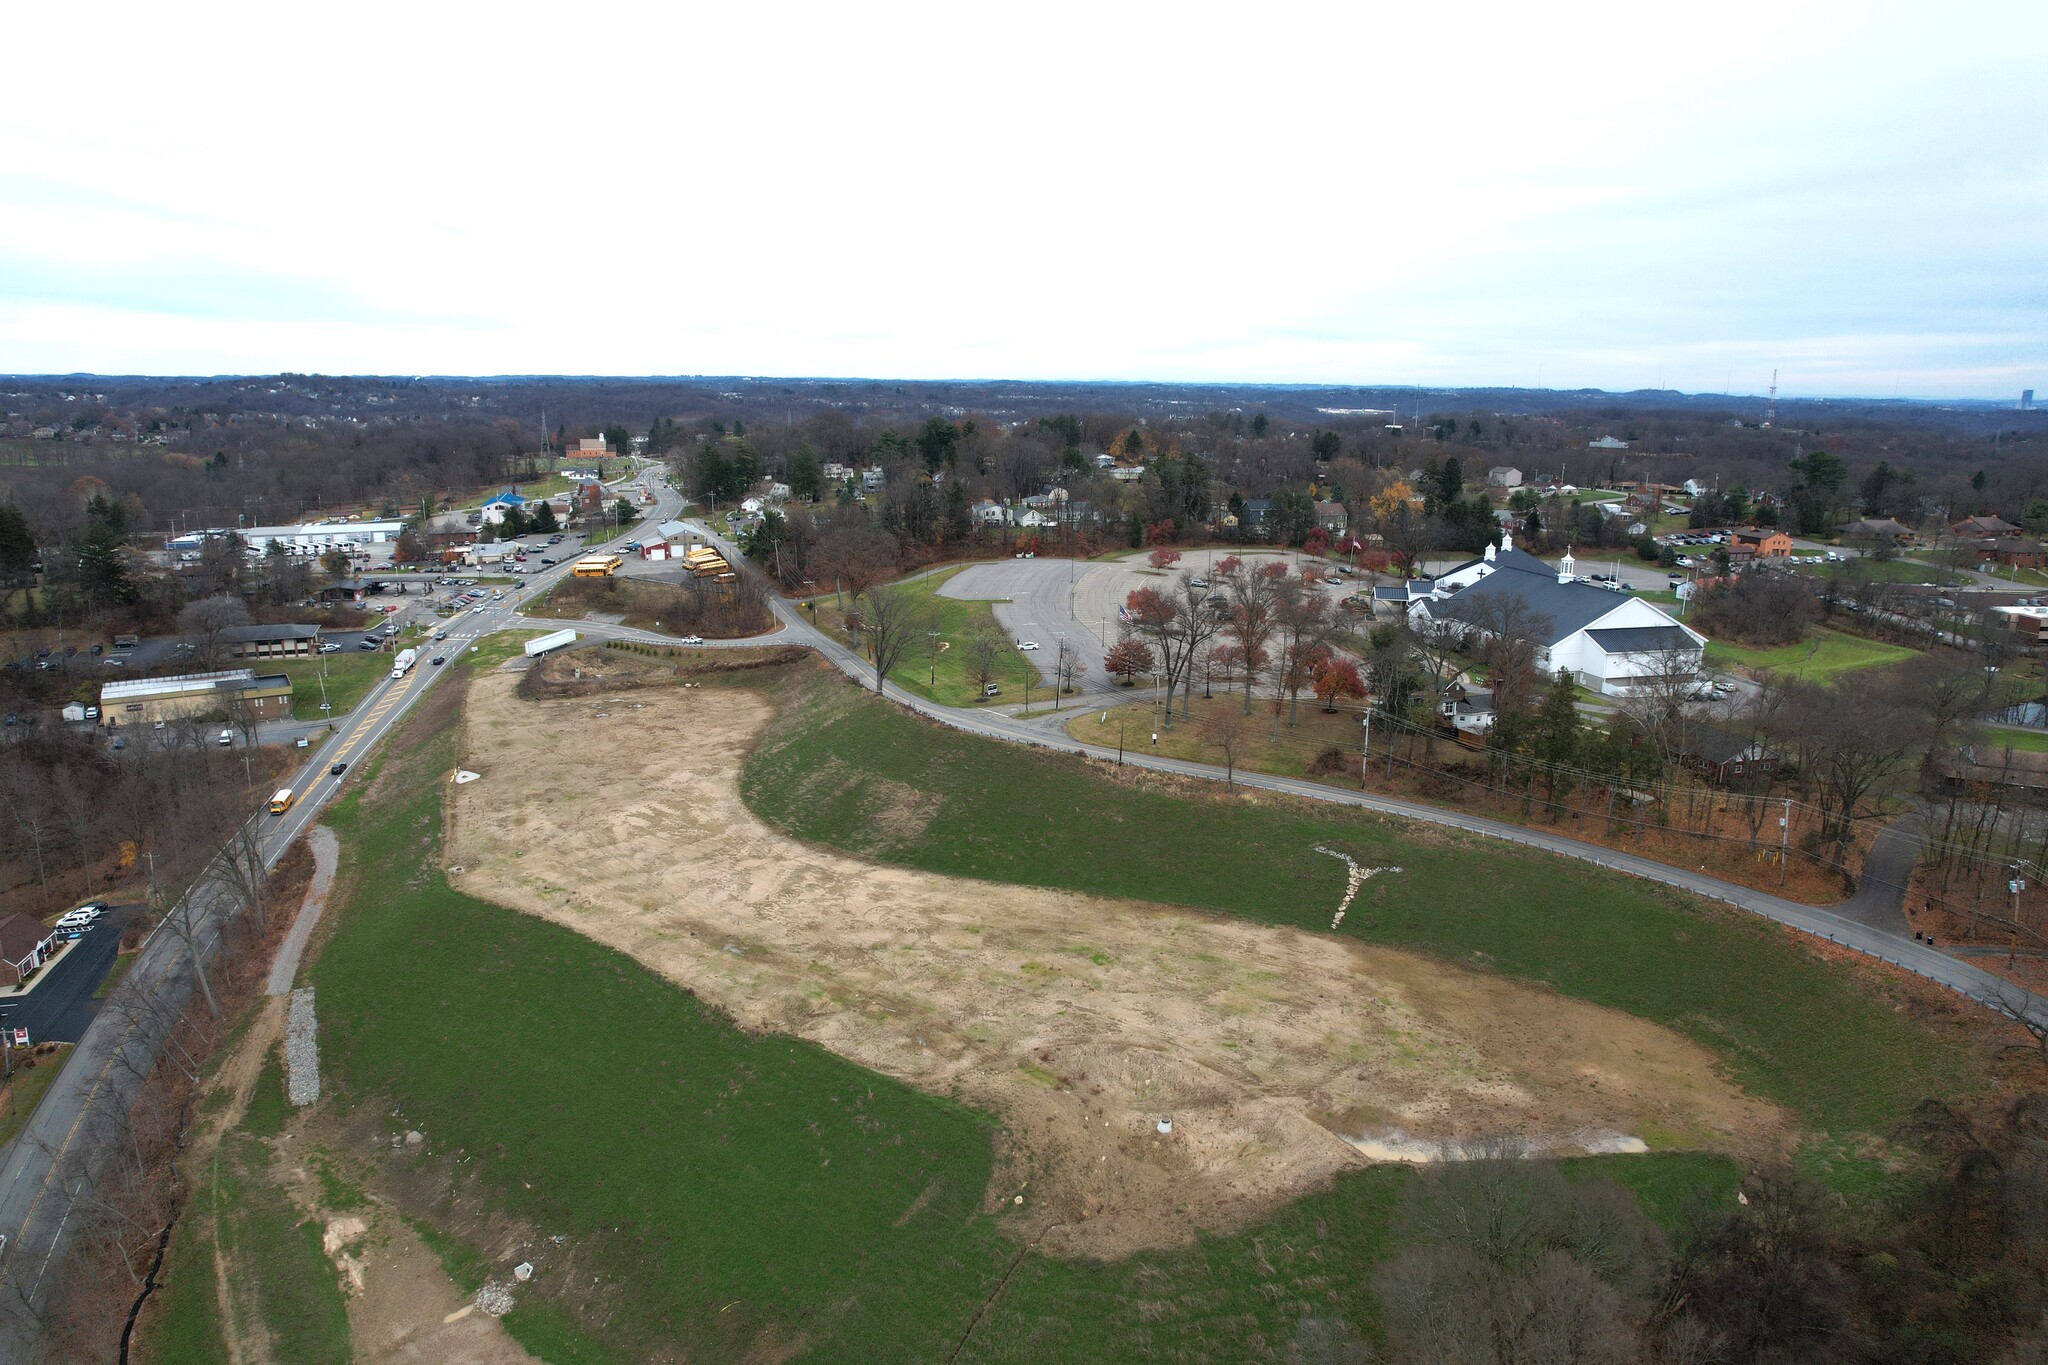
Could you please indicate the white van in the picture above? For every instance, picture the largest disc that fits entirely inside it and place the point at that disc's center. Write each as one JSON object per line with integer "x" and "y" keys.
{"x": 227, "y": 738}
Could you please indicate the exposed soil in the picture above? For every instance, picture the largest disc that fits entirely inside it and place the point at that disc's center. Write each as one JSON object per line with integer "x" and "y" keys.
{"x": 1085, "y": 1023}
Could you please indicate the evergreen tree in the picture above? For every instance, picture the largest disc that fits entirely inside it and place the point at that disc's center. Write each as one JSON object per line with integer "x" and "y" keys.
{"x": 806, "y": 480}
{"x": 543, "y": 521}
{"x": 17, "y": 544}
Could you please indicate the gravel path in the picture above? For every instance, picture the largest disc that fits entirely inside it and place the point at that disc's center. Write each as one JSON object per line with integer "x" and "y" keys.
{"x": 326, "y": 853}
{"x": 301, "y": 1051}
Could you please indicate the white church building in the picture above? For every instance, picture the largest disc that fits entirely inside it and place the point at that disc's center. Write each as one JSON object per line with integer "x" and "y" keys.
{"x": 1609, "y": 641}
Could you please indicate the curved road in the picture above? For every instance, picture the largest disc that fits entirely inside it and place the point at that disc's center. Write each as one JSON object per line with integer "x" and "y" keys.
{"x": 1838, "y": 928}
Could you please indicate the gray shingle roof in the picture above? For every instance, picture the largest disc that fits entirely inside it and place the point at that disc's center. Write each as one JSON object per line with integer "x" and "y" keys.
{"x": 1641, "y": 639}
{"x": 242, "y": 635}
{"x": 1570, "y": 607}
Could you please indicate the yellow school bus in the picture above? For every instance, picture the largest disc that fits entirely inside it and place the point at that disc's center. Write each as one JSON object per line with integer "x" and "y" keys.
{"x": 597, "y": 566}
{"x": 282, "y": 802}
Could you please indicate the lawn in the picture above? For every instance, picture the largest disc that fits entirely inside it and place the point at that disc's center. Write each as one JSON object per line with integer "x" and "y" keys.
{"x": 1288, "y": 753}
{"x": 25, "y": 1091}
{"x": 1822, "y": 655}
{"x": 945, "y": 677}
{"x": 1885, "y": 571}
{"x": 350, "y": 674}
{"x": 2015, "y": 737}
{"x": 1813, "y": 1037}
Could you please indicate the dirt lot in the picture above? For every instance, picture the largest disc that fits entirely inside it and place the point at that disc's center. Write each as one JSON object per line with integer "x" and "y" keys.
{"x": 1279, "y": 1058}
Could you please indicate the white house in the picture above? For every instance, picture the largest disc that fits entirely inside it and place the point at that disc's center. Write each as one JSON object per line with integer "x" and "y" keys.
{"x": 1504, "y": 476}
{"x": 1607, "y": 641}
{"x": 1694, "y": 487}
{"x": 988, "y": 513}
{"x": 872, "y": 479}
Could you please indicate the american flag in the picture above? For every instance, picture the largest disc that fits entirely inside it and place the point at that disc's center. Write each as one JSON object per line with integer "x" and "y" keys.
{"x": 1123, "y": 615}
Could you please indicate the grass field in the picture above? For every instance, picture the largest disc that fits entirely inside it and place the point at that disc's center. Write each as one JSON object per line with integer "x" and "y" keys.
{"x": 1824, "y": 654}
{"x": 350, "y": 674}
{"x": 1834, "y": 1052}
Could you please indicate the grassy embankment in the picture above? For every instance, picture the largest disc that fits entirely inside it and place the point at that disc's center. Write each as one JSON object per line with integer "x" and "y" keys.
{"x": 753, "y": 1189}
{"x": 1822, "y": 655}
{"x": 1821, "y": 1040}
{"x": 1883, "y": 571}
{"x": 281, "y": 1287}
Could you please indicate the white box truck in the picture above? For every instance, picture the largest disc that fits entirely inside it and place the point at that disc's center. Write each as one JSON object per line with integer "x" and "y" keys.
{"x": 402, "y": 665}
{"x": 541, "y": 645}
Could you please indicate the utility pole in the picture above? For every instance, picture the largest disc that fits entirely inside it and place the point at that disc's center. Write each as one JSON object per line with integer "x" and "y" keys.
{"x": 1365, "y": 749}
{"x": 1784, "y": 838}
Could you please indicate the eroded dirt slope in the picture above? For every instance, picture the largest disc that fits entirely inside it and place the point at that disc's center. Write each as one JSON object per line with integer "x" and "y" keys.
{"x": 1278, "y": 1057}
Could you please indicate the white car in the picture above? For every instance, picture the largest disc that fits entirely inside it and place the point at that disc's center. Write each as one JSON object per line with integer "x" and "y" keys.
{"x": 691, "y": 640}
{"x": 80, "y": 918}
{"x": 330, "y": 648}
{"x": 1027, "y": 644}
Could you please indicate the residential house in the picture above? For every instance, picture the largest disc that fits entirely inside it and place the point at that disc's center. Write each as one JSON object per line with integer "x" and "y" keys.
{"x": 588, "y": 499}
{"x": 833, "y": 475}
{"x": 25, "y": 945}
{"x": 1127, "y": 473}
{"x": 1762, "y": 542}
{"x": 1723, "y": 755}
{"x": 1504, "y": 476}
{"x": 1981, "y": 528}
{"x": 1992, "y": 765}
{"x": 1468, "y": 711}
{"x": 2012, "y": 550}
{"x": 778, "y": 492}
{"x": 1332, "y": 517}
{"x": 1876, "y": 528}
{"x": 986, "y": 513}
{"x": 872, "y": 479}
{"x": 1694, "y": 487}
{"x": 1258, "y": 512}
{"x": 1105, "y": 461}
{"x": 1607, "y": 641}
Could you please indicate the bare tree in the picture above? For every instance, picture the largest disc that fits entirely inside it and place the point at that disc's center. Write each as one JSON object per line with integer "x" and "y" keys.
{"x": 203, "y": 624}
{"x": 1224, "y": 728}
{"x": 984, "y": 650}
{"x": 1069, "y": 667}
{"x": 1511, "y": 639}
{"x": 1302, "y": 629}
{"x": 894, "y": 617}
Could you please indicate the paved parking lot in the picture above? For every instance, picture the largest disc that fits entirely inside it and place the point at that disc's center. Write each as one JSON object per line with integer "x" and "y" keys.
{"x": 59, "y": 1008}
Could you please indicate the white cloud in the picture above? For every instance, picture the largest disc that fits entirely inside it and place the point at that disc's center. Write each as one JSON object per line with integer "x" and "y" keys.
{"x": 1448, "y": 195}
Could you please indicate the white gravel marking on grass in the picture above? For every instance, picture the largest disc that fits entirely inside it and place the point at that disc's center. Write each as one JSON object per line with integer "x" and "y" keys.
{"x": 301, "y": 1051}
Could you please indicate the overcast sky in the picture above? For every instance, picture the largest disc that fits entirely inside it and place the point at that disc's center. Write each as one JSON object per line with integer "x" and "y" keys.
{"x": 1619, "y": 196}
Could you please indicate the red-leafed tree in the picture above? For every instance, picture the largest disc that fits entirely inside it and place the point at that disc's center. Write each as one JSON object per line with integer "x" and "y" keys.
{"x": 1127, "y": 659}
{"x": 1159, "y": 533}
{"x": 1337, "y": 680}
{"x": 1163, "y": 558}
{"x": 1317, "y": 542}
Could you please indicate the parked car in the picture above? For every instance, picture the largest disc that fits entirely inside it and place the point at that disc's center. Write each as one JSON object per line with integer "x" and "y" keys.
{"x": 367, "y": 642}
{"x": 992, "y": 690}
{"x": 330, "y": 648}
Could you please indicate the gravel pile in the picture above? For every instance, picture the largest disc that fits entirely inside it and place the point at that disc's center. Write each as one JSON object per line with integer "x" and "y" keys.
{"x": 495, "y": 1299}
{"x": 301, "y": 1050}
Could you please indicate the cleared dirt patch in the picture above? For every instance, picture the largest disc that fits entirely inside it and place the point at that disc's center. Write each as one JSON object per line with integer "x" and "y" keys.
{"x": 1085, "y": 1023}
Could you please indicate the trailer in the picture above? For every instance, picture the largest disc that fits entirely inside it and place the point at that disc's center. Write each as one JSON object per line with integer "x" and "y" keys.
{"x": 537, "y": 647}
{"x": 402, "y": 665}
